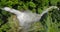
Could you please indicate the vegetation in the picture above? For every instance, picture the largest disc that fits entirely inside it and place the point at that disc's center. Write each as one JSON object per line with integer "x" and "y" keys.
{"x": 50, "y": 22}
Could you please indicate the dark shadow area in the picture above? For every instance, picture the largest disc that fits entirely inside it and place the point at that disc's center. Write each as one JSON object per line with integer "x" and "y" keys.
{"x": 59, "y": 27}
{"x": 25, "y": 0}
{"x": 58, "y": 4}
{"x": 42, "y": 18}
{"x": 4, "y": 17}
{"x": 15, "y": 6}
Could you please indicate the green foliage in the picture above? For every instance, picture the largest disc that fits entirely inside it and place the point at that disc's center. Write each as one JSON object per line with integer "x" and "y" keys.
{"x": 54, "y": 2}
{"x": 49, "y": 23}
